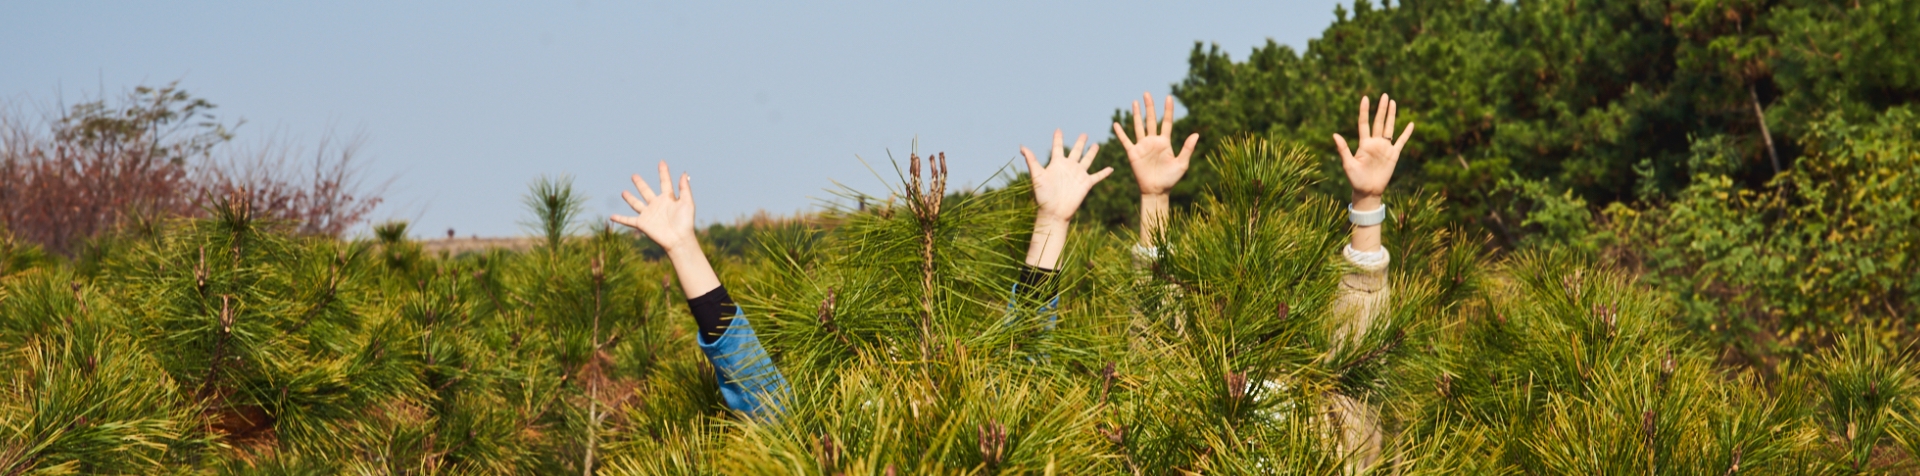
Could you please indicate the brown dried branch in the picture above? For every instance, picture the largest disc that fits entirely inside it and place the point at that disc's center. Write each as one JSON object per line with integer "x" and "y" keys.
{"x": 925, "y": 205}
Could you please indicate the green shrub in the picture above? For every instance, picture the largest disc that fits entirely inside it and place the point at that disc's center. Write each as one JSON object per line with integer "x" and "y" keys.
{"x": 1826, "y": 248}
{"x": 231, "y": 345}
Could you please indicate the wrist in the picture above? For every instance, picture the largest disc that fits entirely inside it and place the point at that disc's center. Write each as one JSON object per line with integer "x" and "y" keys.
{"x": 684, "y": 251}
{"x": 1153, "y": 213}
{"x": 1154, "y": 206}
{"x": 1364, "y": 201}
{"x": 1049, "y": 240}
{"x": 1051, "y": 220}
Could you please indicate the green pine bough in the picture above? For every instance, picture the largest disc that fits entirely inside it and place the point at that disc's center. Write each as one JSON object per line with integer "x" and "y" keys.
{"x": 231, "y": 345}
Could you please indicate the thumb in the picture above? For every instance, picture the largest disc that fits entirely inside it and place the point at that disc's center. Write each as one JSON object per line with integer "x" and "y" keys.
{"x": 1340, "y": 144}
{"x": 1102, "y": 174}
{"x": 1122, "y": 134}
{"x": 1403, "y": 138}
{"x": 686, "y": 187}
{"x": 1186, "y": 149}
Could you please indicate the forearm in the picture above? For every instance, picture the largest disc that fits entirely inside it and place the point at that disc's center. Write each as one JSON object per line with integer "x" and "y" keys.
{"x": 1049, "y": 241}
{"x": 748, "y": 380}
{"x": 696, "y": 274}
{"x": 1154, "y": 209}
{"x": 1366, "y": 238}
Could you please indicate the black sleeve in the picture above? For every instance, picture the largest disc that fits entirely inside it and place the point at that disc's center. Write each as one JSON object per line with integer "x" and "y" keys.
{"x": 714, "y": 311}
{"x": 1031, "y": 278}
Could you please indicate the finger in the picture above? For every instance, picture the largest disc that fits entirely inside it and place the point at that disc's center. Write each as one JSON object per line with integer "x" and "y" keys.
{"x": 1166, "y": 127}
{"x": 686, "y": 188}
{"x": 1365, "y": 130}
{"x": 1033, "y": 166}
{"x": 1122, "y": 134}
{"x": 633, "y": 201}
{"x": 1139, "y": 130}
{"x": 1340, "y": 144}
{"x": 1153, "y": 119}
{"x": 1186, "y": 150}
{"x": 1403, "y": 138}
{"x": 1102, "y": 174}
{"x": 1393, "y": 109}
{"x": 645, "y": 191}
{"x": 1092, "y": 152}
{"x": 1079, "y": 145}
{"x": 1380, "y": 116}
{"x": 666, "y": 184}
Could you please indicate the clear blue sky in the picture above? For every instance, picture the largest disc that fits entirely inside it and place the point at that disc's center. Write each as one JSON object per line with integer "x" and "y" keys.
{"x": 766, "y": 104}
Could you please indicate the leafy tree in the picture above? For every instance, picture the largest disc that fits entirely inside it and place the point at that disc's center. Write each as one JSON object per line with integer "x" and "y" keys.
{"x": 1600, "y": 98}
{"x": 1787, "y": 268}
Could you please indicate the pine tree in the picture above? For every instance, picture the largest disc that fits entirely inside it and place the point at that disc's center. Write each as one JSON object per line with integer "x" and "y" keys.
{"x": 232, "y": 345}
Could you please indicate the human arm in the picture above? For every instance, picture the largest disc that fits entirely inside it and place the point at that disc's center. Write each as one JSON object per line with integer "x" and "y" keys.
{"x": 1363, "y": 292}
{"x": 1156, "y": 167}
{"x": 748, "y": 380}
{"x": 1058, "y": 189}
{"x": 1370, "y": 167}
{"x": 667, "y": 219}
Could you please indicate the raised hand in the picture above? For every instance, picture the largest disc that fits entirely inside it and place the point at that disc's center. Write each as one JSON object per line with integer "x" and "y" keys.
{"x": 1062, "y": 184}
{"x": 1059, "y": 187}
{"x": 667, "y": 217}
{"x": 1155, "y": 166}
{"x": 1370, "y": 167}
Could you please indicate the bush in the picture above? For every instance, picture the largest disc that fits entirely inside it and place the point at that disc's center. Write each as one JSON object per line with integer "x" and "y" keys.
{"x": 1778, "y": 272}
{"x": 158, "y": 153}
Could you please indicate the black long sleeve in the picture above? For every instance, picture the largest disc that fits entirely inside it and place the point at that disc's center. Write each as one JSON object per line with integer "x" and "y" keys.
{"x": 1031, "y": 277}
{"x": 714, "y": 311}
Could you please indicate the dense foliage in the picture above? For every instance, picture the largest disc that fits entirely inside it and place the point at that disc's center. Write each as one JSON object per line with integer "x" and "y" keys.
{"x": 230, "y": 345}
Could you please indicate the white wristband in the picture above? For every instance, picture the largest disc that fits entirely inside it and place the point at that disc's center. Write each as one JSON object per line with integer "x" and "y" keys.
{"x": 1148, "y": 253}
{"x": 1367, "y": 218}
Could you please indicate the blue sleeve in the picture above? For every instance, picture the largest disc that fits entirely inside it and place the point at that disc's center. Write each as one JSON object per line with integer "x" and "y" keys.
{"x": 749, "y": 382}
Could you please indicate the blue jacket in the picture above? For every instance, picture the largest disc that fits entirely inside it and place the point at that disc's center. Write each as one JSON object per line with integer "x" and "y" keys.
{"x": 748, "y": 380}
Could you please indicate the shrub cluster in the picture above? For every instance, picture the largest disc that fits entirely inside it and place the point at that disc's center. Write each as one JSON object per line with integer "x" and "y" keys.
{"x": 230, "y": 344}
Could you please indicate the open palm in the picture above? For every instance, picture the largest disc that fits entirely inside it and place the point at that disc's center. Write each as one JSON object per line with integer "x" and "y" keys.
{"x": 1155, "y": 165}
{"x": 1063, "y": 183}
{"x": 666, "y": 218}
{"x": 1371, "y": 167}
